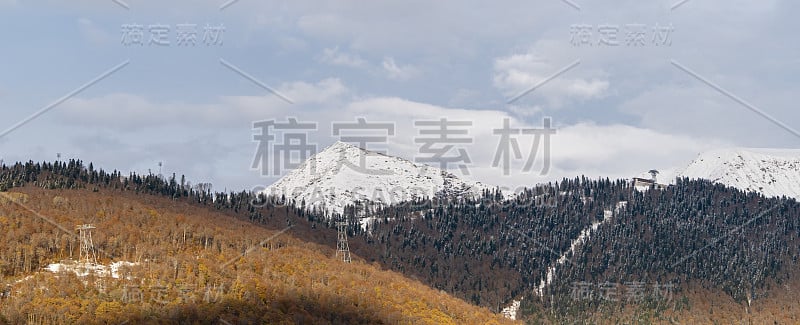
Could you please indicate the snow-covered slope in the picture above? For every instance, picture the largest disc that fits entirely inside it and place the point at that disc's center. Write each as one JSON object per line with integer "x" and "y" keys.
{"x": 773, "y": 172}
{"x": 334, "y": 178}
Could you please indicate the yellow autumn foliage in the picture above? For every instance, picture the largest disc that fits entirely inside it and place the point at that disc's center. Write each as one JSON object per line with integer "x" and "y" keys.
{"x": 202, "y": 269}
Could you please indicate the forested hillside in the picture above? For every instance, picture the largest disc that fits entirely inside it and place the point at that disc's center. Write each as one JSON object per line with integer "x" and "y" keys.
{"x": 193, "y": 261}
{"x": 695, "y": 250}
{"x": 693, "y": 235}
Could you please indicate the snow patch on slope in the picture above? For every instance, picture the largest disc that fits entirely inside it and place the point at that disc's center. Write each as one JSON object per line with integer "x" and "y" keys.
{"x": 84, "y": 269}
{"x": 510, "y": 312}
{"x": 771, "y": 172}
{"x": 583, "y": 237}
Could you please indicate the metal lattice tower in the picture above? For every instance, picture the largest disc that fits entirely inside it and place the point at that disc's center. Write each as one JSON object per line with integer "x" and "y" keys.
{"x": 87, "y": 254}
{"x": 342, "y": 248}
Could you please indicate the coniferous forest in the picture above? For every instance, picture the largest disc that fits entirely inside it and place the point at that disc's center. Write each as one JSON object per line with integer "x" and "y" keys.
{"x": 681, "y": 242}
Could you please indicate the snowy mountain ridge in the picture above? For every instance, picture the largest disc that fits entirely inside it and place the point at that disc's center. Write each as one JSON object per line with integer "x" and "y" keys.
{"x": 342, "y": 174}
{"x": 771, "y": 172}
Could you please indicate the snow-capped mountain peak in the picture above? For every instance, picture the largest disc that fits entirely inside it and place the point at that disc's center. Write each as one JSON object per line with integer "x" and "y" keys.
{"x": 772, "y": 172}
{"x": 342, "y": 174}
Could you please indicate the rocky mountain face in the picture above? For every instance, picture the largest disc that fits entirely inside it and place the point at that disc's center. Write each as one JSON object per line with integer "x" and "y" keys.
{"x": 772, "y": 172}
{"x": 343, "y": 174}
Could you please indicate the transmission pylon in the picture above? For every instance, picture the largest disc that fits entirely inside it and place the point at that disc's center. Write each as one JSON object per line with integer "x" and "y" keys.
{"x": 342, "y": 248}
{"x": 87, "y": 254}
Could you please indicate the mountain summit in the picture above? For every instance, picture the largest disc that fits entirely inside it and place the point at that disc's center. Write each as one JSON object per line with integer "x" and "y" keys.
{"x": 772, "y": 172}
{"x": 343, "y": 174}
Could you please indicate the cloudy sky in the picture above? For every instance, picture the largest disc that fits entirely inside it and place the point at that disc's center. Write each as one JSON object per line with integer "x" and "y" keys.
{"x": 629, "y": 85}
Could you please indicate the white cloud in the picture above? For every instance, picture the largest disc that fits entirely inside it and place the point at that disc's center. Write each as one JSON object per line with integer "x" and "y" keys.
{"x": 321, "y": 92}
{"x": 590, "y": 149}
{"x": 438, "y": 28}
{"x": 524, "y": 111}
{"x": 585, "y": 148}
{"x": 464, "y": 98}
{"x": 199, "y": 157}
{"x": 388, "y": 67}
{"x": 122, "y": 111}
{"x": 741, "y": 45}
{"x": 614, "y": 150}
{"x": 517, "y": 73}
{"x": 693, "y": 108}
{"x": 395, "y": 72}
{"x": 335, "y": 57}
